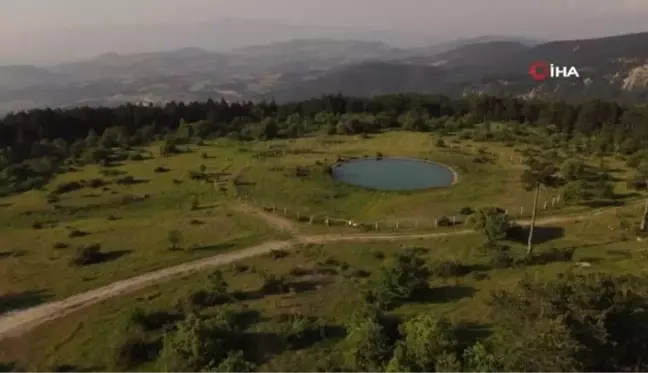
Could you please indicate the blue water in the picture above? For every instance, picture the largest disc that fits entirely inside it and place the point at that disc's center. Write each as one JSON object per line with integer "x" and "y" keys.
{"x": 393, "y": 174}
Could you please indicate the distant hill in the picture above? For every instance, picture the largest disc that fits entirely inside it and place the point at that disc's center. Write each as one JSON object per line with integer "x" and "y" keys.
{"x": 366, "y": 79}
{"x": 23, "y": 76}
{"x": 439, "y": 48}
{"x": 613, "y": 68}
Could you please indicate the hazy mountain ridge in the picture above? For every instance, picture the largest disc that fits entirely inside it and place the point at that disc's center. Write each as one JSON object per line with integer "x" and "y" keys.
{"x": 611, "y": 67}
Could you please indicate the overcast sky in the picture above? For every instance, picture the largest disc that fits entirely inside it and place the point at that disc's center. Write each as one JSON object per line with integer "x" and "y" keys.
{"x": 33, "y": 31}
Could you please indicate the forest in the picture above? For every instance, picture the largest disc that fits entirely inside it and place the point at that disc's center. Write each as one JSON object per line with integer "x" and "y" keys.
{"x": 35, "y": 143}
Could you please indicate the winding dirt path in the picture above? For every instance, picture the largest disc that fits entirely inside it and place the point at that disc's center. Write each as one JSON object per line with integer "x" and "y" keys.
{"x": 15, "y": 323}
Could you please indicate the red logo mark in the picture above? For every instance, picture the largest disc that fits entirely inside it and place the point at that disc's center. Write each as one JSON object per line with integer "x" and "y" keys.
{"x": 539, "y": 71}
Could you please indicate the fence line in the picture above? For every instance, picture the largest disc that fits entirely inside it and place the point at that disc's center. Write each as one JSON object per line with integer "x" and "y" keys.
{"x": 390, "y": 224}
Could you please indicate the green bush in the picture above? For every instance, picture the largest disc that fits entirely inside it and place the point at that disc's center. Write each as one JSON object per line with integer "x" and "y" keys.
{"x": 89, "y": 254}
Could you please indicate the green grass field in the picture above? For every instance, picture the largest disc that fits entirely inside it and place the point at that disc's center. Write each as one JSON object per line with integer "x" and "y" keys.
{"x": 132, "y": 222}
{"x": 328, "y": 286}
{"x": 133, "y": 234}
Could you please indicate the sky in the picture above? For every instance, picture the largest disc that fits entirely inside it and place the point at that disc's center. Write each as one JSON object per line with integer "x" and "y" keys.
{"x": 42, "y": 31}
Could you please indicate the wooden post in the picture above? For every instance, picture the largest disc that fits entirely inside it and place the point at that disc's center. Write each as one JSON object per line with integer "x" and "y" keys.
{"x": 311, "y": 219}
{"x": 545, "y": 206}
{"x": 376, "y": 226}
{"x": 642, "y": 227}
{"x": 553, "y": 202}
{"x": 396, "y": 224}
{"x": 327, "y": 222}
{"x": 285, "y": 211}
{"x": 436, "y": 223}
{"x": 506, "y": 212}
{"x": 298, "y": 215}
{"x": 521, "y": 210}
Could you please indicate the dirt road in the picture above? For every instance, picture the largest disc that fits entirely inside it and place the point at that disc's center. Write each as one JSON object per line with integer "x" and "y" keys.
{"x": 18, "y": 322}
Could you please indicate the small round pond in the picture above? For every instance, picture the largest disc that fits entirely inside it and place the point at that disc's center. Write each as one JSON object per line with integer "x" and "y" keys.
{"x": 394, "y": 173}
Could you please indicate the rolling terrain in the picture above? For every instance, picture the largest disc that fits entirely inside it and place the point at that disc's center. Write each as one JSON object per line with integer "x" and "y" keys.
{"x": 612, "y": 68}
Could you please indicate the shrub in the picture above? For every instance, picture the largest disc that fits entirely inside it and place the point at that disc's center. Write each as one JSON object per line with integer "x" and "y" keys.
{"x": 444, "y": 221}
{"x": 196, "y": 175}
{"x": 77, "y": 233}
{"x": 466, "y": 211}
{"x": 500, "y": 257}
{"x": 68, "y": 187}
{"x": 37, "y": 225}
{"x": 480, "y": 276}
{"x": 175, "y": 238}
{"x": 111, "y": 172}
{"x": 274, "y": 284}
{"x": 53, "y": 198}
{"x": 89, "y": 254}
{"x": 449, "y": 268}
{"x": 96, "y": 183}
{"x": 240, "y": 268}
{"x": 61, "y": 245}
{"x": 132, "y": 352}
{"x": 161, "y": 170}
{"x": 126, "y": 180}
{"x": 279, "y": 254}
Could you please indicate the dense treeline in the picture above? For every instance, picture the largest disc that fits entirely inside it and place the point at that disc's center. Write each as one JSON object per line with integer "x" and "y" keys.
{"x": 33, "y": 143}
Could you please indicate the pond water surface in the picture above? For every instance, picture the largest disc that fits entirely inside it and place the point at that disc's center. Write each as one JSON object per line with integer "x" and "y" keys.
{"x": 394, "y": 173}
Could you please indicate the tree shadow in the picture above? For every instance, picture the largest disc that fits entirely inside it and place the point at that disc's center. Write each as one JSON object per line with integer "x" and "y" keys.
{"x": 26, "y": 299}
{"x": 217, "y": 247}
{"x": 247, "y": 317}
{"x": 623, "y": 253}
{"x": 73, "y": 368}
{"x": 315, "y": 334}
{"x": 294, "y": 287}
{"x": 592, "y": 260}
{"x": 541, "y": 234}
{"x": 441, "y": 294}
{"x": 12, "y": 254}
{"x": 157, "y": 320}
{"x": 9, "y": 367}
{"x": 627, "y": 195}
{"x": 113, "y": 255}
{"x": 245, "y": 183}
{"x": 109, "y": 256}
{"x": 599, "y": 203}
{"x": 552, "y": 255}
{"x": 469, "y": 333}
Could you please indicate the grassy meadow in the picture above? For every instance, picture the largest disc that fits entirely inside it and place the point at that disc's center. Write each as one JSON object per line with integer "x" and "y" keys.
{"x": 325, "y": 282}
{"x": 131, "y": 207}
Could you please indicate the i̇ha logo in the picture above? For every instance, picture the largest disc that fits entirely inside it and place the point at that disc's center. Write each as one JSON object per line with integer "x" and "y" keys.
{"x": 543, "y": 70}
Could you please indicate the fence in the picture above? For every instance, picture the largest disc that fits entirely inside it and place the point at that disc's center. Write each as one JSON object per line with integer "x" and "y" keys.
{"x": 394, "y": 224}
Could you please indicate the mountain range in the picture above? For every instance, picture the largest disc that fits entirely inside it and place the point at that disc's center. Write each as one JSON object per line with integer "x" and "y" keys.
{"x": 614, "y": 68}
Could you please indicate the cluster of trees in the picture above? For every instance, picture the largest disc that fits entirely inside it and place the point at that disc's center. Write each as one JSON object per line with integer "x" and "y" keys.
{"x": 579, "y": 323}
{"x": 34, "y": 143}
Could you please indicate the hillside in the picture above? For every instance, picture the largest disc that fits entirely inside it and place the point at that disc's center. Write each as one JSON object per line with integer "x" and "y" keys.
{"x": 367, "y": 79}
{"x": 611, "y": 68}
